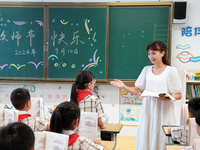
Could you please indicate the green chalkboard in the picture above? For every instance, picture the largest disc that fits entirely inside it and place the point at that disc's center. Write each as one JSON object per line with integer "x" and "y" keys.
{"x": 21, "y": 42}
{"x": 131, "y": 29}
{"x": 77, "y": 41}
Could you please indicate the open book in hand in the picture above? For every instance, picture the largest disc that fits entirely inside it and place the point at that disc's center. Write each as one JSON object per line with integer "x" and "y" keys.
{"x": 51, "y": 141}
{"x": 147, "y": 93}
{"x": 88, "y": 124}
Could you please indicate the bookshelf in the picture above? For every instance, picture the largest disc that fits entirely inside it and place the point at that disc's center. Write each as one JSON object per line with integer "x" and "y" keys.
{"x": 191, "y": 84}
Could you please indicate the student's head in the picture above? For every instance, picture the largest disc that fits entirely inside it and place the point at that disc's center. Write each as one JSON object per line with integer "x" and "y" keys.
{"x": 16, "y": 136}
{"x": 193, "y": 106}
{"x": 161, "y": 47}
{"x": 65, "y": 117}
{"x": 83, "y": 80}
{"x": 19, "y": 98}
{"x": 197, "y": 118}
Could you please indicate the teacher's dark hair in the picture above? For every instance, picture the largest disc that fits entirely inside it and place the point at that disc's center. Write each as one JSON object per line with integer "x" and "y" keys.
{"x": 63, "y": 117}
{"x": 81, "y": 79}
{"x": 159, "y": 46}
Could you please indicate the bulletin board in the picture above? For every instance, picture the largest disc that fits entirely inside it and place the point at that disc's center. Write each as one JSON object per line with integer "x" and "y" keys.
{"x": 129, "y": 108}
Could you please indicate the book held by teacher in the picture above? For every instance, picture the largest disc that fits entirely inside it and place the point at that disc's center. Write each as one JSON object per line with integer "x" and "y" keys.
{"x": 147, "y": 93}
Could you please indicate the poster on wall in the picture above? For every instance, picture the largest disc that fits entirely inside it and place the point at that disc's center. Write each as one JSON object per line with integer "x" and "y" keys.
{"x": 129, "y": 107}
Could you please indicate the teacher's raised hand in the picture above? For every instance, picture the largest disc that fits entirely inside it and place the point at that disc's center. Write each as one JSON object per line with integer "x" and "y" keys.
{"x": 117, "y": 83}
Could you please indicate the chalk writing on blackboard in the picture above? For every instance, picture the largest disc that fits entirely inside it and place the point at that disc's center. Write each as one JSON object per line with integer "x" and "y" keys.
{"x": 76, "y": 41}
{"x": 21, "y": 40}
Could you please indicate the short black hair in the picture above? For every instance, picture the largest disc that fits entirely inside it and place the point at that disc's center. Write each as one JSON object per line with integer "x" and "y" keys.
{"x": 194, "y": 105}
{"x": 19, "y": 97}
{"x": 16, "y": 136}
{"x": 197, "y": 118}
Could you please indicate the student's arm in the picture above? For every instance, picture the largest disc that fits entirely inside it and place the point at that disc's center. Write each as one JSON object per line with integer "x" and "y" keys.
{"x": 100, "y": 123}
{"x": 169, "y": 130}
{"x": 120, "y": 84}
{"x": 180, "y": 134}
{"x": 99, "y": 143}
{"x": 47, "y": 123}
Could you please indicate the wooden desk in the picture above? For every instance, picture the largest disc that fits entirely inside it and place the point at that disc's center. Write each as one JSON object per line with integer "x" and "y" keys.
{"x": 166, "y": 129}
{"x": 112, "y": 129}
{"x": 174, "y": 147}
{"x": 109, "y": 144}
{"x": 169, "y": 139}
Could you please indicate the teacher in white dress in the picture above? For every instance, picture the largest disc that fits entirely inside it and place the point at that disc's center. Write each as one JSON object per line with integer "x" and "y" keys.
{"x": 159, "y": 77}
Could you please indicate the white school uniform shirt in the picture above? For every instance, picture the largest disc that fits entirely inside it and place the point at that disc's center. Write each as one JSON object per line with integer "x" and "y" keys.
{"x": 154, "y": 112}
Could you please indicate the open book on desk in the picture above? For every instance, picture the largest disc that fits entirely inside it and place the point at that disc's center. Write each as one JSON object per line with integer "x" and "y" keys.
{"x": 147, "y": 93}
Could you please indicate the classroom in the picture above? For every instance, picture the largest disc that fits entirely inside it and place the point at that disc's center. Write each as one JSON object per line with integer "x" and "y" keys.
{"x": 182, "y": 39}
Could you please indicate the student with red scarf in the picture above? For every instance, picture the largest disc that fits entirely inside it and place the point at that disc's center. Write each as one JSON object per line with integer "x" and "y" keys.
{"x": 20, "y": 99}
{"x": 82, "y": 96}
{"x": 65, "y": 119}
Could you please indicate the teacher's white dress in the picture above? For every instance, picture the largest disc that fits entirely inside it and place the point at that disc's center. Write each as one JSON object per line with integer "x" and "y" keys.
{"x": 154, "y": 112}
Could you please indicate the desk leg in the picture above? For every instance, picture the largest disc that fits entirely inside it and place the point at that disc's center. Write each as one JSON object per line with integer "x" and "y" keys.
{"x": 114, "y": 137}
{"x": 169, "y": 139}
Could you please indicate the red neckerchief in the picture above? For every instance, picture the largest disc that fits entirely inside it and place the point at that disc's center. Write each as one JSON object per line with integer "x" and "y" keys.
{"x": 72, "y": 138}
{"x": 22, "y": 116}
{"x": 81, "y": 94}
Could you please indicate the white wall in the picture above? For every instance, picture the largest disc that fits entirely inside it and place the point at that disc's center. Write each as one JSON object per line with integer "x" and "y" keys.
{"x": 108, "y": 94}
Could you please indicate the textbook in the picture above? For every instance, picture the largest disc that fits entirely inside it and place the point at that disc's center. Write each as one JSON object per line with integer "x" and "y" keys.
{"x": 196, "y": 144}
{"x": 192, "y": 131}
{"x": 147, "y": 93}
{"x": 51, "y": 141}
{"x": 37, "y": 107}
{"x": 88, "y": 125}
{"x": 8, "y": 116}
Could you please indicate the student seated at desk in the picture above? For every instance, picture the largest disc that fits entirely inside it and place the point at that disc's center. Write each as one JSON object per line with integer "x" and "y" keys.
{"x": 197, "y": 119}
{"x": 181, "y": 133}
{"x": 16, "y": 136}
{"x": 20, "y": 99}
{"x": 65, "y": 119}
{"x": 196, "y": 145}
{"x": 81, "y": 94}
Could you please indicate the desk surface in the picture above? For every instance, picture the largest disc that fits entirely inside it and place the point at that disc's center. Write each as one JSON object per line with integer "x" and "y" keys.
{"x": 115, "y": 128}
{"x": 174, "y": 147}
{"x": 166, "y": 128}
{"x": 109, "y": 144}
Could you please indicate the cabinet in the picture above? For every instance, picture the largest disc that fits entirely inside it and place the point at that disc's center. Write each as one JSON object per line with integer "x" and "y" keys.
{"x": 191, "y": 84}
